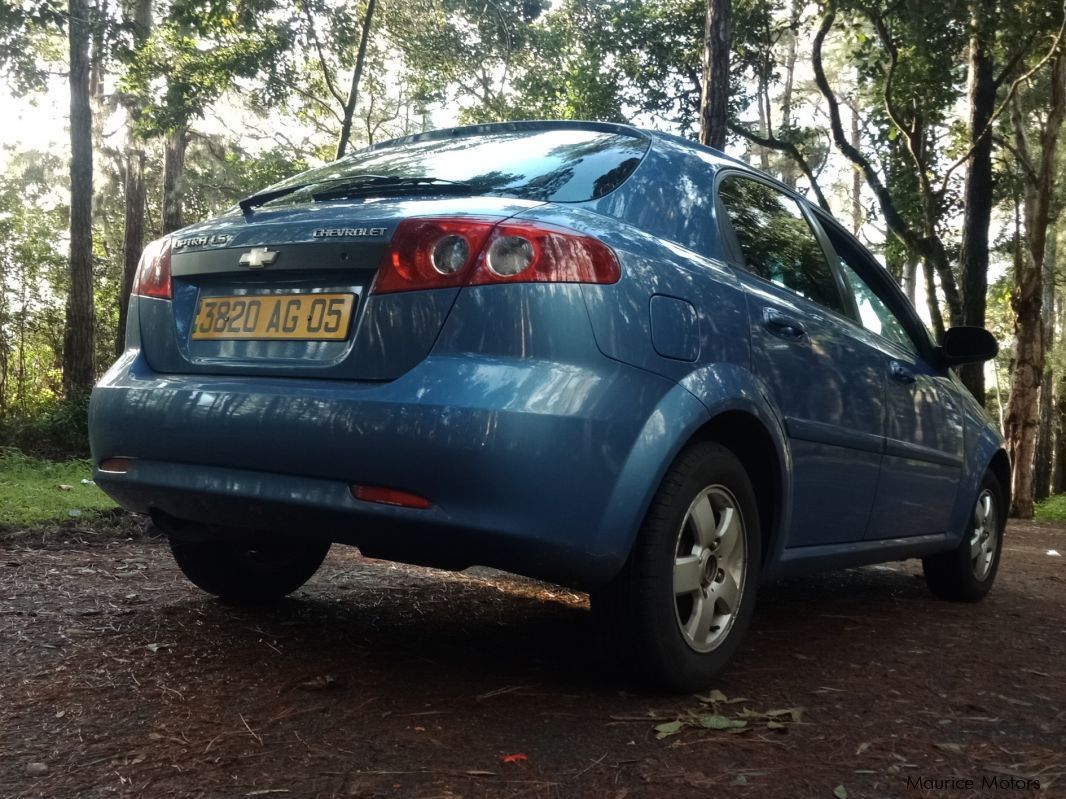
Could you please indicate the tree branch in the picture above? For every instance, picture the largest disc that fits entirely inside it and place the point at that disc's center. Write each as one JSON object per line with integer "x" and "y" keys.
{"x": 1011, "y": 91}
{"x": 893, "y": 219}
{"x": 790, "y": 149}
{"x": 326, "y": 71}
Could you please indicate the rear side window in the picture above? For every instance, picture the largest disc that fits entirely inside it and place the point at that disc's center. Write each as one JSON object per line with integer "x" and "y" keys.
{"x": 777, "y": 242}
{"x": 567, "y": 166}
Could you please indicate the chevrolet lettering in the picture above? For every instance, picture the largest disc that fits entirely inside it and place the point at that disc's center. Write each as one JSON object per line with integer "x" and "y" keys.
{"x": 347, "y": 232}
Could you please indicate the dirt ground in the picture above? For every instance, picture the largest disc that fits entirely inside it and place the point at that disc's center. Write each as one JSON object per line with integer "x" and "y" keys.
{"x": 377, "y": 680}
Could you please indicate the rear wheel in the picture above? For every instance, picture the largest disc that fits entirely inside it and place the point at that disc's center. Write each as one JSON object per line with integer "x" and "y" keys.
{"x": 966, "y": 573}
{"x": 684, "y": 601}
{"x": 247, "y": 572}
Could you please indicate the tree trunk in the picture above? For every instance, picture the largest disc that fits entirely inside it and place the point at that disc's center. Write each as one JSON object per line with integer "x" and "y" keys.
{"x": 856, "y": 177}
{"x": 977, "y": 196}
{"x": 1027, "y": 371}
{"x": 1058, "y": 475}
{"x": 132, "y": 238}
{"x": 788, "y": 168}
{"x": 173, "y": 166}
{"x": 78, "y": 345}
{"x": 1042, "y": 464}
{"x": 357, "y": 74}
{"x": 936, "y": 317}
{"x": 135, "y": 192}
{"x": 717, "y": 39}
{"x": 910, "y": 278}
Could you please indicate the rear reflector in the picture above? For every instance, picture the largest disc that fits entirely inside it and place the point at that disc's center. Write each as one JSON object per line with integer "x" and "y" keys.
{"x": 390, "y": 496}
{"x": 440, "y": 252}
{"x": 115, "y": 465}
{"x": 153, "y": 272}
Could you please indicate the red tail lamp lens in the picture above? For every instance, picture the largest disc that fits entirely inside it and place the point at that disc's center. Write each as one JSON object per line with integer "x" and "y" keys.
{"x": 527, "y": 253}
{"x": 431, "y": 254}
{"x": 153, "y": 272}
{"x": 390, "y": 496}
{"x": 440, "y": 252}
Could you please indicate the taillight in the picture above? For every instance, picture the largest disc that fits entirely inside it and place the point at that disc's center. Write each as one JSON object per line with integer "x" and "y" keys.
{"x": 527, "y": 253}
{"x": 436, "y": 253}
{"x": 431, "y": 254}
{"x": 153, "y": 272}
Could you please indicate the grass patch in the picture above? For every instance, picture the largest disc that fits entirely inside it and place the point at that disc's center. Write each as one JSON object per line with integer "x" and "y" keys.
{"x": 31, "y": 496}
{"x": 1052, "y": 509}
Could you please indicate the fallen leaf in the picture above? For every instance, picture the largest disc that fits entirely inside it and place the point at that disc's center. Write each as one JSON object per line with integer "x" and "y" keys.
{"x": 669, "y": 728}
{"x": 65, "y": 487}
{"x": 774, "y": 725}
{"x": 862, "y": 747}
{"x": 714, "y": 696}
{"x": 518, "y": 757}
{"x": 950, "y": 747}
{"x": 717, "y": 722}
{"x": 795, "y": 713}
{"x": 840, "y": 792}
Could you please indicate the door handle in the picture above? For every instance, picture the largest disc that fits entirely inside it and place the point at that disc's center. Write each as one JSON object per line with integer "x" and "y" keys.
{"x": 901, "y": 373}
{"x": 783, "y": 326}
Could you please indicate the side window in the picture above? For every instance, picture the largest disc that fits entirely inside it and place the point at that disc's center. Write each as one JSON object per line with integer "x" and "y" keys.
{"x": 873, "y": 313}
{"x": 777, "y": 242}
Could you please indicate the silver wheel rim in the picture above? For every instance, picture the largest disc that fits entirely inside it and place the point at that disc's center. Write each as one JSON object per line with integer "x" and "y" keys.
{"x": 709, "y": 568}
{"x": 985, "y": 536}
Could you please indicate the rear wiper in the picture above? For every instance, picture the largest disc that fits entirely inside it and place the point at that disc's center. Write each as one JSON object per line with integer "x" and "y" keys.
{"x": 262, "y": 198}
{"x": 384, "y": 185}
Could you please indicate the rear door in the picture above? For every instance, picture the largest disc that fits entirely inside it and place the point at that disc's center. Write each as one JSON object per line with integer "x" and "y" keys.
{"x": 922, "y": 464}
{"x": 816, "y": 365}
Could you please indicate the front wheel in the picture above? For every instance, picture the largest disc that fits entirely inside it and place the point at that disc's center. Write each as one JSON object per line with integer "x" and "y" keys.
{"x": 685, "y": 598}
{"x": 249, "y": 572}
{"x": 966, "y": 573}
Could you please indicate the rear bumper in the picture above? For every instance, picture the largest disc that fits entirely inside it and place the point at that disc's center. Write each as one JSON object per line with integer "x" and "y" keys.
{"x": 537, "y": 467}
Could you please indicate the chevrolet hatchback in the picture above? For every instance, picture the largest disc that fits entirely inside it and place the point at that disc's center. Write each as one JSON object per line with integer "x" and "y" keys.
{"x": 599, "y": 356}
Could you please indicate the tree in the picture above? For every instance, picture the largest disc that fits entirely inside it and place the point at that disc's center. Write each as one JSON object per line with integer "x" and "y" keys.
{"x": 79, "y": 370}
{"x": 134, "y": 190}
{"x": 357, "y": 74}
{"x": 714, "y": 101}
{"x": 1038, "y": 168}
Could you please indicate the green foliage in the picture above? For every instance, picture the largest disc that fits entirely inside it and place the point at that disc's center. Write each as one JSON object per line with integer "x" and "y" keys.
{"x": 1052, "y": 509}
{"x": 197, "y": 53}
{"x": 49, "y": 428}
{"x": 31, "y": 492}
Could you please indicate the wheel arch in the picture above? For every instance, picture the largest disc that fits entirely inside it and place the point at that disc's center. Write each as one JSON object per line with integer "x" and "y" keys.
{"x": 744, "y": 434}
{"x": 1000, "y": 467}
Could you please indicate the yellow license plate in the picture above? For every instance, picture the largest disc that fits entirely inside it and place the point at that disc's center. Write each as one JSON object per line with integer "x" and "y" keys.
{"x": 296, "y": 317}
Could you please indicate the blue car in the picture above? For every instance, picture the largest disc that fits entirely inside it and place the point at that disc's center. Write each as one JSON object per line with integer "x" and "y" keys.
{"x": 595, "y": 355}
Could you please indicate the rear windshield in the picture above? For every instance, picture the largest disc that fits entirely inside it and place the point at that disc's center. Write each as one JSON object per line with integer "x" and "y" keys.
{"x": 569, "y": 166}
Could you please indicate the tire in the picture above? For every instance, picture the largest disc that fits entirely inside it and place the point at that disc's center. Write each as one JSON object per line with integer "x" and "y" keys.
{"x": 241, "y": 572}
{"x": 672, "y": 610}
{"x": 966, "y": 574}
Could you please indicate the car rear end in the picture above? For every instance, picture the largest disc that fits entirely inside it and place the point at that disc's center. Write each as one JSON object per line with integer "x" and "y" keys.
{"x": 406, "y": 364}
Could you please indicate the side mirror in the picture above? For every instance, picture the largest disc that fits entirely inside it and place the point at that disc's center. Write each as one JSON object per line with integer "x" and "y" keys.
{"x": 967, "y": 345}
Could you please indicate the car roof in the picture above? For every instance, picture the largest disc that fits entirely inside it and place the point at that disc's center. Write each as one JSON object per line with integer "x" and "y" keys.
{"x": 718, "y": 157}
